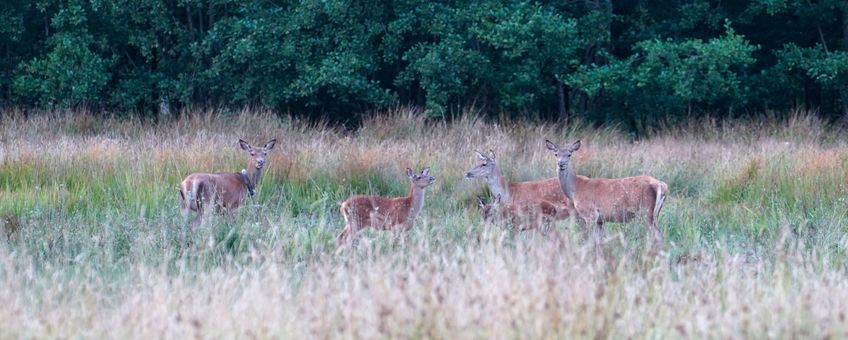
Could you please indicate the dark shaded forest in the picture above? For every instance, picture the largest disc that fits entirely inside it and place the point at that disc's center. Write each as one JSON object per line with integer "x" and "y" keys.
{"x": 639, "y": 63}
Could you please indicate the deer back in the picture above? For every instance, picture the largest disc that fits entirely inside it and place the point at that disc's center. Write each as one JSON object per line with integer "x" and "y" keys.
{"x": 616, "y": 200}
{"x": 376, "y": 211}
{"x": 523, "y": 215}
{"x": 226, "y": 190}
{"x": 547, "y": 189}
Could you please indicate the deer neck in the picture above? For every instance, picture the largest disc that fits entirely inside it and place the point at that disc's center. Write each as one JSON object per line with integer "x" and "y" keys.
{"x": 498, "y": 186}
{"x": 253, "y": 174}
{"x": 567, "y": 181}
{"x": 416, "y": 196}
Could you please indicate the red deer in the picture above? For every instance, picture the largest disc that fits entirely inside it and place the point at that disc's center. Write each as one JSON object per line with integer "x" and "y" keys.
{"x": 524, "y": 215}
{"x": 600, "y": 200}
{"x": 383, "y": 213}
{"x": 225, "y": 190}
{"x": 515, "y": 192}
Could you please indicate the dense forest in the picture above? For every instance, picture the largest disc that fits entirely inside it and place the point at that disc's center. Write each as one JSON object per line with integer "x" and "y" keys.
{"x": 636, "y": 62}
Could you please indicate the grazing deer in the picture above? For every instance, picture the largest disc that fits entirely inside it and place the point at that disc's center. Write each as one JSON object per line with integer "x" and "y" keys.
{"x": 383, "y": 213}
{"x": 524, "y": 215}
{"x": 618, "y": 200}
{"x": 515, "y": 192}
{"x": 225, "y": 190}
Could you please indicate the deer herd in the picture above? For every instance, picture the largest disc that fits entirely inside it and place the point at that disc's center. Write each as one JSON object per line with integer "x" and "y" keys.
{"x": 525, "y": 205}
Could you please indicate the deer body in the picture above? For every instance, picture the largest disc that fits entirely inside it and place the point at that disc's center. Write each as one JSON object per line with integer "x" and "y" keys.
{"x": 600, "y": 200}
{"x": 225, "y": 191}
{"x": 524, "y": 215}
{"x": 384, "y": 213}
{"x": 517, "y": 192}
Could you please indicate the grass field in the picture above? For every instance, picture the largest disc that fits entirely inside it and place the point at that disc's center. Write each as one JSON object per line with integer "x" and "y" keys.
{"x": 94, "y": 246}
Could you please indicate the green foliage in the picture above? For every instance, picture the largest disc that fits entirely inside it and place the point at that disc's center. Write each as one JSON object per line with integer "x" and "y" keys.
{"x": 70, "y": 74}
{"x": 72, "y": 71}
{"x": 827, "y": 69}
{"x": 665, "y": 78}
{"x": 634, "y": 62}
{"x": 299, "y": 55}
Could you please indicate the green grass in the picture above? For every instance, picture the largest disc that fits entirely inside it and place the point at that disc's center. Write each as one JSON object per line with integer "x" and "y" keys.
{"x": 755, "y": 226}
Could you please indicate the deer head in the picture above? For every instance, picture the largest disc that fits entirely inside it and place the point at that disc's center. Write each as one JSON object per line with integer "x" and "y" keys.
{"x": 489, "y": 209}
{"x": 422, "y": 180}
{"x": 486, "y": 167}
{"x": 257, "y": 155}
{"x": 563, "y": 155}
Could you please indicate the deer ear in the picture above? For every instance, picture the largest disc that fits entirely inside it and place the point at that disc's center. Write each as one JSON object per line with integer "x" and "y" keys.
{"x": 575, "y": 146}
{"x": 498, "y": 199}
{"x": 244, "y": 145}
{"x": 491, "y": 154}
{"x": 480, "y": 202}
{"x": 481, "y": 156}
{"x": 409, "y": 173}
{"x": 270, "y": 144}
{"x": 550, "y": 145}
{"x": 426, "y": 171}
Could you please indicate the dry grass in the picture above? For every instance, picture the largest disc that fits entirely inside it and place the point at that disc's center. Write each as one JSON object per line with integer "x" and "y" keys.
{"x": 756, "y": 223}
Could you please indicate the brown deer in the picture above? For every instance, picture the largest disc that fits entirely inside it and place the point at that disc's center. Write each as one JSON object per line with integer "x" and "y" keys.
{"x": 524, "y": 215}
{"x": 600, "y": 200}
{"x": 225, "y": 190}
{"x": 515, "y": 192}
{"x": 383, "y": 213}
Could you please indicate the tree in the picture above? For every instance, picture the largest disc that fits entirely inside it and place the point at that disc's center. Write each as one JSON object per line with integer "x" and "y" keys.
{"x": 72, "y": 72}
{"x": 664, "y": 78}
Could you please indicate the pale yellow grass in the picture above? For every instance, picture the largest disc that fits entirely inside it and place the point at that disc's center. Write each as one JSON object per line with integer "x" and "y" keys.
{"x": 535, "y": 290}
{"x": 482, "y": 284}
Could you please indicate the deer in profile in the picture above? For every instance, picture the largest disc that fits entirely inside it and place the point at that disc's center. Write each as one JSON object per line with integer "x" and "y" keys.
{"x": 600, "y": 200}
{"x": 383, "y": 213}
{"x": 516, "y": 192}
{"x": 223, "y": 190}
{"x": 524, "y": 215}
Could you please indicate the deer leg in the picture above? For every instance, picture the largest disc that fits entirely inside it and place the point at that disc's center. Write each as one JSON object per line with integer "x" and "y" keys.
{"x": 600, "y": 232}
{"x": 659, "y": 243}
{"x": 185, "y": 211}
{"x": 197, "y": 221}
{"x": 343, "y": 238}
{"x": 597, "y": 234}
{"x": 399, "y": 233}
{"x": 585, "y": 232}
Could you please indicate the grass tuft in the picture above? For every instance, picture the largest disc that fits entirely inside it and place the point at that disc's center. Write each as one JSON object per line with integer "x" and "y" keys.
{"x": 94, "y": 245}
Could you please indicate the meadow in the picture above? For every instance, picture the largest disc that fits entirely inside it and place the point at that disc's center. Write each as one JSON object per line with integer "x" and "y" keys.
{"x": 93, "y": 244}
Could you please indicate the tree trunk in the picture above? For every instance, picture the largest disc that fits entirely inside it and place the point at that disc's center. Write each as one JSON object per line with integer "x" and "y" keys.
{"x": 9, "y": 60}
{"x": 188, "y": 18}
{"x": 845, "y": 25}
{"x": 200, "y": 19}
{"x": 563, "y": 106}
{"x": 211, "y": 11}
{"x": 845, "y": 107}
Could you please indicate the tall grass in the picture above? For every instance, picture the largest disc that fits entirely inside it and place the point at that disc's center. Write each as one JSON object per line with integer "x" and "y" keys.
{"x": 94, "y": 244}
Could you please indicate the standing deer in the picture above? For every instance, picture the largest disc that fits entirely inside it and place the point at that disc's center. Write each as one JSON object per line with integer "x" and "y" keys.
{"x": 600, "y": 200}
{"x": 524, "y": 215}
{"x": 225, "y": 190}
{"x": 546, "y": 189}
{"x": 383, "y": 213}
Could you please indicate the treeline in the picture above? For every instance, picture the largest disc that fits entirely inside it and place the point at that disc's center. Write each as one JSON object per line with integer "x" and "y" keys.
{"x": 637, "y": 62}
